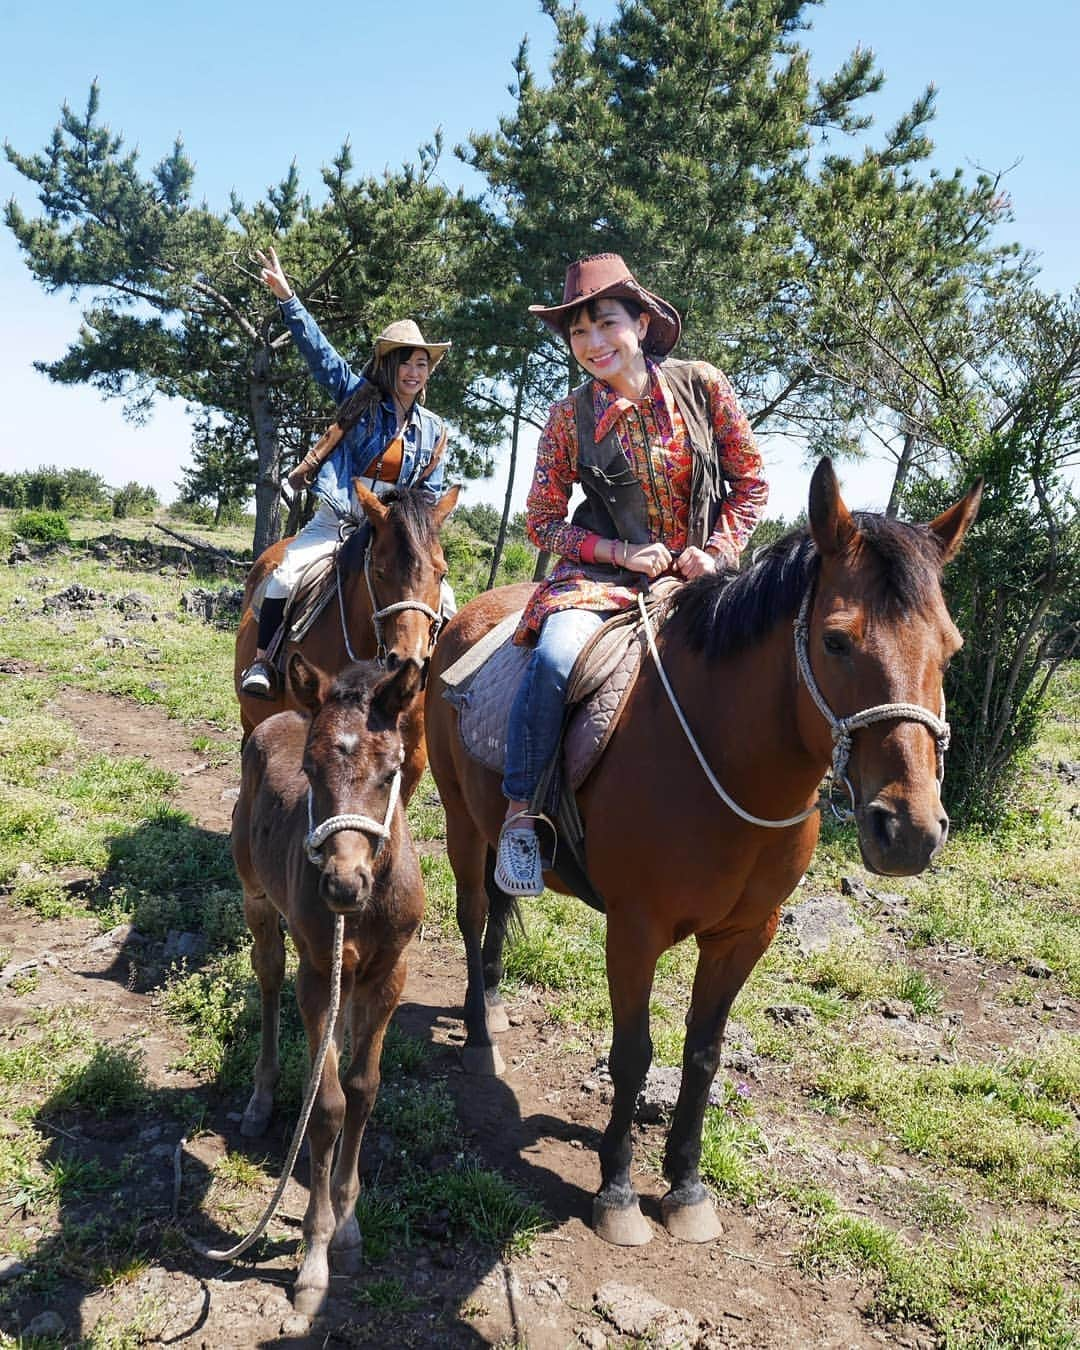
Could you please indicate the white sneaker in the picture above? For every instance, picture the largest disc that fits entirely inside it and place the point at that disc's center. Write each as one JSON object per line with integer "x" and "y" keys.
{"x": 517, "y": 862}
{"x": 256, "y": 681}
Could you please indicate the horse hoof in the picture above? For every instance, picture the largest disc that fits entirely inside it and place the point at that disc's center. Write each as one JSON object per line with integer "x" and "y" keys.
{"x": 624, "y": 1226}
{"x": 255, "y": 1122}
{"x": 483, "y": 1060}
{"x": 497, "y": 1019}
{"x": 690, "y": 1223}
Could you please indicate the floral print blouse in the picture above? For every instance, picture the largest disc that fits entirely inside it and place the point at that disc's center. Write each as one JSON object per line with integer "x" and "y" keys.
{"x": 654, "y": 439}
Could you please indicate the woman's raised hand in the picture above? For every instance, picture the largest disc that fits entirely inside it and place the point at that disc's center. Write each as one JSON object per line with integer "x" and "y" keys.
{"x": 650, "y": 559}
{"x": 273, "y": 274}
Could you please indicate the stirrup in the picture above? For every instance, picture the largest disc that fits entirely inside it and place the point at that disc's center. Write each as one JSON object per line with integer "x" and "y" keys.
{"x": 258, "y": 681}
{"x": 518, "y": 866}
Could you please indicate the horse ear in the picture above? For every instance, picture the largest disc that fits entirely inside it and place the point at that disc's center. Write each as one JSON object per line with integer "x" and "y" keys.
{"x": 397, "y": 691}
{"x": 446, "y": 504}
{"x": 831, "y": 523}
{"x": 951, "y": 526}
{"x": 307, "y": 683}
{"x": 375, "y": 511}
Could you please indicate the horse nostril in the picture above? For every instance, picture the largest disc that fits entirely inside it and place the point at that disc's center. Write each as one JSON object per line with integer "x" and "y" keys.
{"x": 340, "y": 892}
{"x": 393, "y": 660}
{"x": 885, "y": 826}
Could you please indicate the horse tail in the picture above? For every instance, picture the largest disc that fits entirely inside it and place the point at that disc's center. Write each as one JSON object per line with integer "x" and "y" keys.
{"x": 505, "y": 916}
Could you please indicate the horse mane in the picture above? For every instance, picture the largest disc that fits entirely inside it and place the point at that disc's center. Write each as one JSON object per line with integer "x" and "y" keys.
{"x": 354, "y": 684}
{"x": 724, "y": 614}
{"x": 411, "y": 517}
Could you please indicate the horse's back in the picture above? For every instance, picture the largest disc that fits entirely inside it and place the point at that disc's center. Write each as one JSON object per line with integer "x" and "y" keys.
{"x": 475, "y": 619}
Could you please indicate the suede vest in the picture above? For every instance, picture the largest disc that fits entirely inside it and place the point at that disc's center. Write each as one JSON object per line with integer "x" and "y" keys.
{"x": 615, "y": 505}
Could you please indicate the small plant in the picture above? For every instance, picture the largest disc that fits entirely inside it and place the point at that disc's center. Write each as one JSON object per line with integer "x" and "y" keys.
{"x": 387, "y": 1295}
{"x": 47, "y": 527}
{"x": 111, "y": 1081}
{"x": 913, "y": 987}
{"x": 234, "y": 1169}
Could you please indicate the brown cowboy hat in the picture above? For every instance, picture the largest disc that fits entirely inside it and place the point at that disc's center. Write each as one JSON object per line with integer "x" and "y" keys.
{"x": 605, "y": 274}
{"x": 406, "y": 333}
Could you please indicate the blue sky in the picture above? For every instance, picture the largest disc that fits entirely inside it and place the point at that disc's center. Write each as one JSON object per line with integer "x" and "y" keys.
{"x": 251, "y": 87}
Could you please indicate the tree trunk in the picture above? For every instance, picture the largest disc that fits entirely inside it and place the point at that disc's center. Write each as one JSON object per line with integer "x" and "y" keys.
{"x": 903, "y": 468}
{"x": 519, "y": 396}
{"x": 268, "y": 477}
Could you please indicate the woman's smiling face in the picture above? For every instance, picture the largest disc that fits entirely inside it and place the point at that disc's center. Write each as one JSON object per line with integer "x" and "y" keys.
{"x": 607, "y": 342}
{"x": 412, "y": 375}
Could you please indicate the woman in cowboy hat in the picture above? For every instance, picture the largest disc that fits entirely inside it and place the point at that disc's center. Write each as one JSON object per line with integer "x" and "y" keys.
{"x": 673, "y": 482}
{"x": 387, "y": 438}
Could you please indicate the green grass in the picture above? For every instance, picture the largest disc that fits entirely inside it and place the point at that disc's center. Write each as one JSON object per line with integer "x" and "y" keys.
{"x": 1000, "y": 1290}
{"x": 112, "y": 1081}
{"x": 994, "y": 1122}
{"x": 464, "y": 1200}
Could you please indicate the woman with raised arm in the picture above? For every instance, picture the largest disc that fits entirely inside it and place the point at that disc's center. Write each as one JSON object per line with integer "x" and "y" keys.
{"x": 389, "y": 440}
{"x": 673, "y": 482}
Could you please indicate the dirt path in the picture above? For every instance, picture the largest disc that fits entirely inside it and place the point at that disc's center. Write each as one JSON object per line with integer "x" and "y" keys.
{"x": 540, "y": 1125}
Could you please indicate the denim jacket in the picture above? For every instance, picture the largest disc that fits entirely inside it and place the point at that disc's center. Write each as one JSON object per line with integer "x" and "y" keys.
{"x": 372, "y": 433}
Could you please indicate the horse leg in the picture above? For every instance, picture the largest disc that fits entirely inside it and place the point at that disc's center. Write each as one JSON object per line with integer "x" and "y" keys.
{"x": 467, "y": 852}
{"x": 372, "y": 1008}
{"x": 268, "y": 960}
{"x": 412, "y": 735}
{"x": 723, "y": 965}
{"x": 327, "y": 1115}
{"x": 631, "y": 963}
{"x": 502, "y": 908}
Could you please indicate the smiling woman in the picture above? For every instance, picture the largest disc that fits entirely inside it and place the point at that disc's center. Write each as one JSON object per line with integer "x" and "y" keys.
{"x": 673, "y": 482}
{"x": 382, "y": 437}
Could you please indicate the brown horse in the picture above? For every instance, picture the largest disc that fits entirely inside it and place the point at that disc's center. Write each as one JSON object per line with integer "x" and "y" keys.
{"x": 669, "y": 858}
{"x": 387, "y": 608}
{"x": 319, "y": 830}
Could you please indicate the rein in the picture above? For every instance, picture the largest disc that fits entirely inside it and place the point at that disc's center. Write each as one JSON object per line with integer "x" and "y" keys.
{"x": 842, "y": 728}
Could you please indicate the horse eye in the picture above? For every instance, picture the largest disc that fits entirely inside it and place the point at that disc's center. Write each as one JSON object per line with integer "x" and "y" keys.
{"x": 837, "y": 644}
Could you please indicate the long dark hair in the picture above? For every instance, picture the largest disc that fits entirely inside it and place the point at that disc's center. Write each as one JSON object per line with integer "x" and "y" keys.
{"x": 380, "y": 383}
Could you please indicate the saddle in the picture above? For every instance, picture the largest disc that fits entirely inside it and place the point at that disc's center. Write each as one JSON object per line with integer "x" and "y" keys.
{"x": 482, "y": 684}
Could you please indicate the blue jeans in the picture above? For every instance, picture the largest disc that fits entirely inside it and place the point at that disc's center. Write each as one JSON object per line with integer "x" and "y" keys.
{"x": 537, "y": 711}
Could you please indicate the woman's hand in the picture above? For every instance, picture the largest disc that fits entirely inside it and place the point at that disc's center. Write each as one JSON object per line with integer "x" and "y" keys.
{"x": 273, "y": 274}
{"x": 695, "y": 562}
{"x": 649, "y": 559}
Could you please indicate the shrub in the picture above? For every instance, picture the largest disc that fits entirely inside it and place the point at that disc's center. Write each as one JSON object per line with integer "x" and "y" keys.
{"x": 48, "y": 527}
{"x": 134, "y": 500}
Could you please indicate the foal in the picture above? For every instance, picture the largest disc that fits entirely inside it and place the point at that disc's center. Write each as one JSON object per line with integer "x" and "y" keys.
{"x": 319, "y": 831}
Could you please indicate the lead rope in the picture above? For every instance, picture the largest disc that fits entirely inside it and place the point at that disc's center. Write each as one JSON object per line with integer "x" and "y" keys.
{"x": 842, "y": 728}
{"x": 316, "y": 836}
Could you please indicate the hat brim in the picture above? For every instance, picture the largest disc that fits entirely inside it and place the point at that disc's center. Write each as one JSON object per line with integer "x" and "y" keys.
{"x": 435, "y": 350}
{"x": 665, "y": 325}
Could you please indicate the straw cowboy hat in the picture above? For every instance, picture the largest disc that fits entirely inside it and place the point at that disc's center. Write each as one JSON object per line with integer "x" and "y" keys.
{"x": 406, "y": 333}
{"x": 605, "y": 274}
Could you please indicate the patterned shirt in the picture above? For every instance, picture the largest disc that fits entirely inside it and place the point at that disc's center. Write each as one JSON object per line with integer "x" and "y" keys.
{"x": 654, "y": 440}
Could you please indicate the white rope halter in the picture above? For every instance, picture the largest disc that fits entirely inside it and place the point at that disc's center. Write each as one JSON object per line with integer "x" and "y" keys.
{"x": 842, "y": 728}
{"x": 317, "y": 835}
